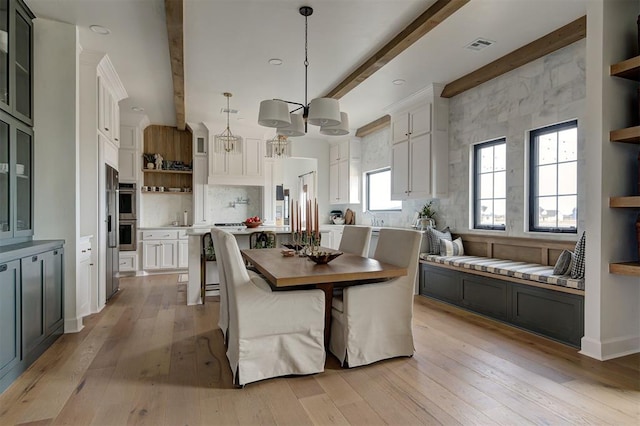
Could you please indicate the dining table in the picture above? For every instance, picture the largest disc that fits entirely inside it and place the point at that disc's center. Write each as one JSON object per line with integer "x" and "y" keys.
{"x": 299, "y": 272}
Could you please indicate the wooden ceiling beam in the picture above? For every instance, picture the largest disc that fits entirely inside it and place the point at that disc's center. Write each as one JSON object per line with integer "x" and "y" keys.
{"x": 433, "y": 16}
{"x": 174, "y": 15}
{"x": 374, "y": 126}
{"x": 551, "y": 42}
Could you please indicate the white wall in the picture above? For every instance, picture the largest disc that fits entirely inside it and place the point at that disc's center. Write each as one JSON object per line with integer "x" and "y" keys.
{"x": 308, "y": 147}
{"x": 56, "y": 180}
{"x": 612, "y": 318}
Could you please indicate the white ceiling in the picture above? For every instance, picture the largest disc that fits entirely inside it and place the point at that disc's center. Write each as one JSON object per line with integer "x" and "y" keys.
{"x": 228, "y": 44}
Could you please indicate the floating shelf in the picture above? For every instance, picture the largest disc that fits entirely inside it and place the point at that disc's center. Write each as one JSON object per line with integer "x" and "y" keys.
{"x": 166, "y": 193}
{"x": 180, "y": 172}
{"x": 628, "y": 135}
{"x": 625, "y": 202}
{"x": 625, "y": 268}
{"x": 629, "y": 69}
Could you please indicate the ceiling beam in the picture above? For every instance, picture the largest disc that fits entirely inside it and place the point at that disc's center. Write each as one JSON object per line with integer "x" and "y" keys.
{"x": 551, "y": 42}
{"x": 374, "y": 126}
{"x": 433, "y": 16}
{"x": 174, "y": 13}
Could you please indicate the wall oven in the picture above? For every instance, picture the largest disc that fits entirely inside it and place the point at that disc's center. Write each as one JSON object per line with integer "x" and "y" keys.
{"x": 128, "y": 232}
{"x": 127, "y": 201}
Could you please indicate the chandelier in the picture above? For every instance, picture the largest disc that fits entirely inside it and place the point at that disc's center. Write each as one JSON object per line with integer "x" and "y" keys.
{"x": 278, "y": 147}
{"x": 226, "y": 141}
{"x": 323, "y": 112}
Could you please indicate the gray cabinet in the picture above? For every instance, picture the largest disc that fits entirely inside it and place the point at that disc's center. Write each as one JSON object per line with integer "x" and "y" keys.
{"x": 33, "y": 330}
{"x": 9, "y": 316}
{"x": 31, "y": 304}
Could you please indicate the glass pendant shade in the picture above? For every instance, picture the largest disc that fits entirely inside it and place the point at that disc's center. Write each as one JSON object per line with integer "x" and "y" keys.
{"x": 273, "y": 113}
{"x": 296, "y": 128}
{"x": 339, "y": 129}
{"x": 324, "y": 112}
{"x": 278, "y": 147}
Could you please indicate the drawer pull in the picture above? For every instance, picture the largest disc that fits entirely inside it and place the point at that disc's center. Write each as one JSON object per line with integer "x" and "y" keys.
{"x": 34, "y": 259}
{"x": 84, "y": 251}
{"x": 3, "y": 268}
{"x": 55, "y": 252}
{"x": 89, "y": 249}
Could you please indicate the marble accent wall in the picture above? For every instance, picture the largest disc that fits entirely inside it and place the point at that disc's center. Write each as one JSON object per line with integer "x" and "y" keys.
{"x": 547, "y": 91}
{"x": 224, "y": 206}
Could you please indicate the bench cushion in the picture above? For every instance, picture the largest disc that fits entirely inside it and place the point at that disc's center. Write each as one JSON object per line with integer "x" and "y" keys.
{"x": 509, "y": 268}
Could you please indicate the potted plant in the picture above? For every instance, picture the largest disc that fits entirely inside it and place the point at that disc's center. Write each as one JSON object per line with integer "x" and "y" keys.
{"x": 427, "y": 215}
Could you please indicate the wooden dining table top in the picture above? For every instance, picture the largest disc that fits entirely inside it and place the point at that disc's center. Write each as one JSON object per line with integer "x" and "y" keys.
{"x": 283, "y": 271}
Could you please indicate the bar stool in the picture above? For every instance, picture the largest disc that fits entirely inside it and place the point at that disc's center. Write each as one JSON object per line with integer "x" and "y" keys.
{"x": 207, "y": 254}
{"x": 263, "y": 239}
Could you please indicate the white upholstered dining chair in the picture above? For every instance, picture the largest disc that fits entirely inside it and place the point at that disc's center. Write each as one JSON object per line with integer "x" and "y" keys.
{"x": 270, "y": 333}
{"x": 372, "y": 322}
{"x": 356, "y": 239}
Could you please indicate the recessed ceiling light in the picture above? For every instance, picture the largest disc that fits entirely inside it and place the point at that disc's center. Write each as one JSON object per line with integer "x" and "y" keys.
{"x": 398, "y": 82}
{"x": 99, "y": 29}
{"x": 137, "y": 109}
{"x": 275, "y": 61}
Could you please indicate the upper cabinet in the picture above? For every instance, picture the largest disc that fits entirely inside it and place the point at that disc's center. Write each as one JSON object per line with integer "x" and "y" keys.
{"x": 173, "y": 174}
{"x": 244, "y": 168}
{"x": 110, "y": 92}
{"x": 420, "y": 146}
{"x": 16, "y": 60}
{"x": 344, "y": 171}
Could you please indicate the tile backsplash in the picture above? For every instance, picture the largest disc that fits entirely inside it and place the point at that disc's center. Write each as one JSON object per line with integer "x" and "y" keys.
{"x": 233, "y": 203}
{"x": 162, "y": 209}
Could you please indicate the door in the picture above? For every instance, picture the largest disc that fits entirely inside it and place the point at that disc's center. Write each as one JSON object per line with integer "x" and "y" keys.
{"x": 420, "y": 169}
{"x": 53, "y": 315}
{"x": 399, "y": 171}
{"x": 169, "y": 254}
{"x": 151, "y": 254}
{"x": 9, "y": 315}
{"x": 334, "y": 183}
{"x": 33, "y": 330}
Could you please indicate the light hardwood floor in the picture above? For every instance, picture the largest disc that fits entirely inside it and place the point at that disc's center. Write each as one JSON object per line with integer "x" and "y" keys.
{"x": 150, "y": 359}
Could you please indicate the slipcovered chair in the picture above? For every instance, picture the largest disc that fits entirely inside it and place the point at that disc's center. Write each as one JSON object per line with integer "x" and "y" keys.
{"x": 355, "y": 240}
{"x": 372, "y": 322}
{"x": 270, "y": 333}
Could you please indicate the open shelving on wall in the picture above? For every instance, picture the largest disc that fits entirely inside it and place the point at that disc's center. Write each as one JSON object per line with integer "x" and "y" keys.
{"x": 629, "y": 69}
{"x": 174, "y": 146}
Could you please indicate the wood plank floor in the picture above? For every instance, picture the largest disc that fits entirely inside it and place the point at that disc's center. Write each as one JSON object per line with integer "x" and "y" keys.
{"x": 150, "y": 359}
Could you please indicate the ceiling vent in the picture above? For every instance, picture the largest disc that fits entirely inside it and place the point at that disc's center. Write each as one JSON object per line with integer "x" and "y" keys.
{"x": 479, "y": 44}
{"x": 228, "y": 110}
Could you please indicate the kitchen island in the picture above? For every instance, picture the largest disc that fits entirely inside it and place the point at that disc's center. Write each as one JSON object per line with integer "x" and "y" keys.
{"x": 241, "y": 233}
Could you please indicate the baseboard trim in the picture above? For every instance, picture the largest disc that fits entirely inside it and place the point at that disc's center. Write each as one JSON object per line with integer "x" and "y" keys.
{"x": 610, "y": 348}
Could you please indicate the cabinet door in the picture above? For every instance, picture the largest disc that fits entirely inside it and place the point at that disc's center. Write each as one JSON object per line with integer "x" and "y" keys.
{"x": 32, "y": 269}
{"x": 5, "y": 48}
{"x": 115, "y": 121}
{"x": 399, "y": 128}
{"x": 102, "y": 114}
{"x": 169, "y": 255}
{"x": 9, "y": 315}
{"x": 234, "y": 164}
{"x": 23, "y": 65}
{"x": 420, "y": 120}
{"x": 6, "y": 225}
{"x": 420, "y": 166}
{"x": 334, "y": 153}
{"x": 399, "y": 171}
{"x": 200, "y": 189}
{"x": 254, "y": 156}
{"x": 24, "y": 182}
{"x": 183, "y": 254}
{"x": 128, "y": 139}
{"x": 334, "y": 182}
{"x": 269, "y": 201}
{"x": 53, "y": 287}
{"x": 83, "y": 284}
{"x": 127, "y": 165}
{"x": 343, "y": 181}
{"x": 151, "y": 254}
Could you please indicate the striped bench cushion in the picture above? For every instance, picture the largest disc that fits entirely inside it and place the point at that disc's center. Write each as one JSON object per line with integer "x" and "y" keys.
{"x": 508, "y": 268}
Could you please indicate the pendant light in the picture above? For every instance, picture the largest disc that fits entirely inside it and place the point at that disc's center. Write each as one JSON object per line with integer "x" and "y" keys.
{"x": 324, "y": 112}
{"x": 278, "y": 147}
{"x": 226, "y": 141}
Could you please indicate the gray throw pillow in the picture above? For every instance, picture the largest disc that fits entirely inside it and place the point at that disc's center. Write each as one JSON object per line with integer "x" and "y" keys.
{"x": 433, "y": 236}
{"x": 563, "y": 264}
{"x": 577, "y": 269}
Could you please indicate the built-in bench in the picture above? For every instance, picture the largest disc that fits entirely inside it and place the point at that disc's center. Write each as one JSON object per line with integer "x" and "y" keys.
{"x": 511, "y": 280}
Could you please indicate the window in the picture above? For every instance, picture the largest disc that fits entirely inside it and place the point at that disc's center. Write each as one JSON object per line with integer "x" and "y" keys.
{"x": 553, "y": 178}
{"x": 490, "y": 185}
{"x": 379, "y": 191}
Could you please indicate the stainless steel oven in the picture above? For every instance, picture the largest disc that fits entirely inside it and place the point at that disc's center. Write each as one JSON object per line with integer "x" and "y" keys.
{"x": 128, "y": 230}
{"x": 127, "y": 201}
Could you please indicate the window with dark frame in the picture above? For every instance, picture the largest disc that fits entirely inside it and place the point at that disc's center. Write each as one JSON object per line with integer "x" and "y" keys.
{"x": 553, "y": 178}
{"x": 378, "y": 187}
{"x": 490, "y": 184}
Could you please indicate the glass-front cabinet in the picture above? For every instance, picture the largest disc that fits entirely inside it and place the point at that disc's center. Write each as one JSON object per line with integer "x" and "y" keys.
{"x": 16, "y": 180}
{"x": 16, "y": 60}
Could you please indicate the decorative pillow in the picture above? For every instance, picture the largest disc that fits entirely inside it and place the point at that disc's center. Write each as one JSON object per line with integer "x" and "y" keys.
{"x": 577, "y": 269}
{"x": 451, "y": 248}
{"x": 563, "y": 264}
{"x": 434, "y": 236}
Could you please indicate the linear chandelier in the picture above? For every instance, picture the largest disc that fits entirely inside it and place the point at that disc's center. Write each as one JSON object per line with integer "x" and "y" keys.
{"x": 323, "y": 112}
{"x": 227, "y": 141}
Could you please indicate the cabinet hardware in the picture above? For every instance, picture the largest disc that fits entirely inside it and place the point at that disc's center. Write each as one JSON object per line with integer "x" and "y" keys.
{"x": 55, "y": 252}
{"x": 34, "y": 259}
{"x": 106, "y": 128}
{"x": 89, "y": 249}
{"x": 84, "y": 251}
{"x": 3, "y": 268}
{"x": 91, "y": 264}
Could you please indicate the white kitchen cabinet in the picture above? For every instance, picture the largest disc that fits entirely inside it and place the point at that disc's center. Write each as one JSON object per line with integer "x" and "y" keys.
{"x": 127, "y": 165}
{"x": 344, "y": 171}
{"x": 164, "y": 249}
{"x": 83, "y": 277}
{"x": 183, "y": 254}
{"x": 108, "y": 112}
{"x": 200, "y": 175}
{"x": 128, "y": 261}
{"x": 244, "y": 168}
{"x": 419, "y": 152}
